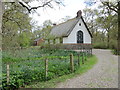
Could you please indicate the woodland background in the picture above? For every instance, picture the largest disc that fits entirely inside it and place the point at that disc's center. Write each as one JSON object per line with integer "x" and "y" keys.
{"x": 20, "y": 30}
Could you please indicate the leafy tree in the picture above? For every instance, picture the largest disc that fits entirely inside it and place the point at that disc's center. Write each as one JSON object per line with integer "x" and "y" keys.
{"x": 17, "y": 24}
{"x": 115, "y": 7}
{"x": 110, "y": 5}
{"x": 103, "y": 25}
{"x": 47, "y": 23}
{"x": 90, "y": 17}
{"x": 106, "y": 23}
{"x": 15, "y": 21}
{"x": 24, "y": 40}
{"x": 44, "y": 32}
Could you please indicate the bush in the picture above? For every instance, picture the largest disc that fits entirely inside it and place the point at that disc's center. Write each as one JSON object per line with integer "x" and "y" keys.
{"x": 100, "y": 45}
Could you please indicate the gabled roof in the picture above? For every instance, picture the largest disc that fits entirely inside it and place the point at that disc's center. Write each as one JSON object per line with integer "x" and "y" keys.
{"x": 86, "y": 26}
{"x": 64, "y": 29}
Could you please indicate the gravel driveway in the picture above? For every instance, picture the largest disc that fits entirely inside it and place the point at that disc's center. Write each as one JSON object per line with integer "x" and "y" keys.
{"x": 103, "y": 75}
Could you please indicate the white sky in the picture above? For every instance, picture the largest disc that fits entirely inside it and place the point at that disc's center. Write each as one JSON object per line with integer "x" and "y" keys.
{"x": 55, "y": 15}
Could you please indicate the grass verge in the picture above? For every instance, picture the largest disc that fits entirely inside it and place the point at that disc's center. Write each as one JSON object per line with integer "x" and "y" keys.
{"x": 114, "y": 52}
{"x": 54, "y": 82}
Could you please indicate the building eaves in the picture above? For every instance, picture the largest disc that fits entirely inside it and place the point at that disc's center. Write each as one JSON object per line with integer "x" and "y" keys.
{"x": 86, "y": 27}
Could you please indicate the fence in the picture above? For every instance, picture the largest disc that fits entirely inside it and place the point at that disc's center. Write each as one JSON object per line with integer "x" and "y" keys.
{"x": 81, "y": 47}
{"x": 72, "y": 64}
{"x": 25, "y": 72}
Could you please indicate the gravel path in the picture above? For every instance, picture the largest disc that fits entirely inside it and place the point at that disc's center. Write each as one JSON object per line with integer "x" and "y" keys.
{"x": 103, "y": 75}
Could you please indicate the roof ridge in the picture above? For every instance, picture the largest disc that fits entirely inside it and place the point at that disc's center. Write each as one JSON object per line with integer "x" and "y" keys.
{"x": 65, "y": 22}
{"x": 65, "y": 28}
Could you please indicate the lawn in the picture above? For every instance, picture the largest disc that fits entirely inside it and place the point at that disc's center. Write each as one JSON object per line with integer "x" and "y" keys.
{"x": 28, "y": 66}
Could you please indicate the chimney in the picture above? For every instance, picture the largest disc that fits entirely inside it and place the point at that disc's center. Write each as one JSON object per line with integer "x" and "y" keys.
{"x": 54, "y": 24}
{"x": 79, "y": 14}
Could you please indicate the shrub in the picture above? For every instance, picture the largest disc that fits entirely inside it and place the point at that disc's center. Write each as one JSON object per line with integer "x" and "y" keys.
{"x": 100, "y": 45}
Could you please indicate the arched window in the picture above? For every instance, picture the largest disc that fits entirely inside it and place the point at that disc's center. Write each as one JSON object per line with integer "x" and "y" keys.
{"x": 80, "y": 37}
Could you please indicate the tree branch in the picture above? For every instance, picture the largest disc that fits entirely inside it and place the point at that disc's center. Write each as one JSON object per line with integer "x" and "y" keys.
{"x": 111, "y": 7}
{"x": 25, "y": 6}
{"x": 29, "y": 9}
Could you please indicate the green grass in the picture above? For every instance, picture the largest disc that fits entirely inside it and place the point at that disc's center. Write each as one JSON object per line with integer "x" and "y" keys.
{"x": 27, "y": 67}
{"x": 53, "y": 82}
{"x": 34, "y": 54}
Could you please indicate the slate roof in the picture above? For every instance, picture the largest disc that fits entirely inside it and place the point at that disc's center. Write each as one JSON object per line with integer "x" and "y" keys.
{"x": 64, "y": 29}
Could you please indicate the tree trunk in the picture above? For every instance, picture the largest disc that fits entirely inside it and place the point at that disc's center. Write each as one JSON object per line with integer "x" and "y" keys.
{"x": 108, "y": 41}
{"x": 119, "y": 27}
{"x": 1, "y": 13}
{"x": 103, "y": 37}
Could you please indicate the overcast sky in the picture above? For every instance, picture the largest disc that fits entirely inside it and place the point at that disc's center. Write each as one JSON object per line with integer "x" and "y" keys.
{"x": 55, "y": 15}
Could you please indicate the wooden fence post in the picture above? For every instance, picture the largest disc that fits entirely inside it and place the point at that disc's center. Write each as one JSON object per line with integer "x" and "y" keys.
{"x": 54, "y": 41}
{"x": 86, "y": 55}
{"x": 48, "y": 41}
{"x": 78, "y": 59}
{"x": 87, "y": 52}
{"x": 71, "y": 63}
{"x": 91, "y": 51}
{"x": 8, "y": 74}
{"x": 46, "y": 68}
{"x": 83, "y": 58}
